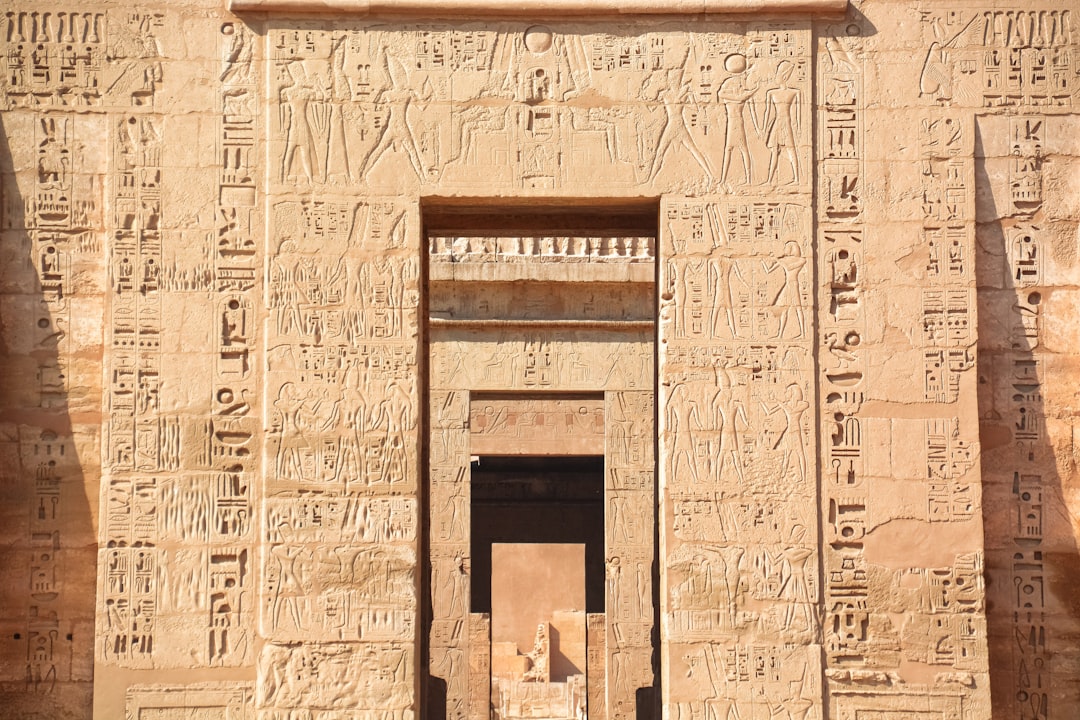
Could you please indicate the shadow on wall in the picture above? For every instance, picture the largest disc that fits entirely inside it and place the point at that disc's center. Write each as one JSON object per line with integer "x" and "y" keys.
{"x": 49, "y": 419}
{"x": 1032, "y": 566}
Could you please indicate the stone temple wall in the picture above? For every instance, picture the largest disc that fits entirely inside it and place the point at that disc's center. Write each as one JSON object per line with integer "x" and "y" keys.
{"x": 243, "y": 365}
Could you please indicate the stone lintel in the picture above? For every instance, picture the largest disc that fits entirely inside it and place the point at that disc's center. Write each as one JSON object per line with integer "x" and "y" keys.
{"x": 460, "y": 8}
{"x": 541, "y": 272}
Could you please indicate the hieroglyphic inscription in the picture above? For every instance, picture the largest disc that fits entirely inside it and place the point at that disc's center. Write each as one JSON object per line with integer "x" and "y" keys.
{"x": 999, "y": 58}
{"x": 59, "y": 216}
{"x": 948, "y": 234}
{"x": 841, "y": 313}
{"x": 177, "y": 572}
{"x": 372, "y": 678}
{"x": 139, "y": 438}
{"x": 50, "y": 457}
{"x": 760, "y": 290}
{"x": 80, "y": 57}
{"x": 479, "y": 663}
{"x": 178, "y": 564}
{"x": 573, "y": 360}
{"x": 537, "y": 426}
{"x": 1027, "y": 474}
{"x": 754, "y": 680}
{"x": 233, "y": 429}
{"x": 459, "y": 249}
{"x": 841, "y": 106}
{"x": 233, "y": 701}
{"x": 1031, "y": 650}
{"x": 1027, "y": 142}
{"x": 596, "y": 663}
{"x": 951, "y": 495}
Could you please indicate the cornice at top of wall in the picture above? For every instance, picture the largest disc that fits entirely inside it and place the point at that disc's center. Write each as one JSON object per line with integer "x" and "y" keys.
{"x": 480, "y": 8}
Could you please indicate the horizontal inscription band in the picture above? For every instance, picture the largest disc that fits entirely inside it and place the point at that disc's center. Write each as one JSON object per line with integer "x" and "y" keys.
{"x": 569, "y": 323}
{"x": 534, "y": 7}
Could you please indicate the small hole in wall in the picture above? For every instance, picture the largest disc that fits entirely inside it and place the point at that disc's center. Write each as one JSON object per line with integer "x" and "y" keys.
{"x": 70, "y": 636}
{"x": 17, "y": 636}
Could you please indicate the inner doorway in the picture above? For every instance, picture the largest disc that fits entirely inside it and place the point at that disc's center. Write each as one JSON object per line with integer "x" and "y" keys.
{"x": 541, "y": 455}
{"x": 537, "y": 500}
{"x": 538, "y": 570}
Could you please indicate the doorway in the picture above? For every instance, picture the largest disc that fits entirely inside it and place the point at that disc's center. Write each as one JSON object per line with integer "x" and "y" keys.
{"x": 541, "y": 456}
{"x": 537, "y": 500}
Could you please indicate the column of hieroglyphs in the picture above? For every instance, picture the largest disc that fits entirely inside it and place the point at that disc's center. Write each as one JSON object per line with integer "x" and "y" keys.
{"x": 51, "y": 285}
{"x": 236, "y": 442}
{"x": 905, "y": 612}
{"x": 738, "y": 480}
{"x": 1026, "y": 64}
{"x": 135, "y": 446}
{"x": 1012, "y": 358}
{"x": 338, "y": 611}
{"x": 176, "y": 552}
{"x": 842, "y": 367}
{"x": 596, "y": 663}
{"x": 59, "y": 225}
{"x": 480, "y": 665}
{"x": 1026, "y": 277}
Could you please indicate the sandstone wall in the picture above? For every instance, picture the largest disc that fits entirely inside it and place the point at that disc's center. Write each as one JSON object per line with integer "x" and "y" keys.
{"x": 227, "y": 424}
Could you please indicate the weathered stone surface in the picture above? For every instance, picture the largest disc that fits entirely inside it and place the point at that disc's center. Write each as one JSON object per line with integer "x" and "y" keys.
{"x": 308, "y": 309}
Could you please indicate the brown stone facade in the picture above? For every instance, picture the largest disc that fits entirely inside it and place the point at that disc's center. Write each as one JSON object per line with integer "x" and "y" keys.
{"x": 704, "y": 360}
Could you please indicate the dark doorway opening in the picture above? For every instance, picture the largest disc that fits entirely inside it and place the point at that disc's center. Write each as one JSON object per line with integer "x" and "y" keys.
{"x": 524, "y": 499}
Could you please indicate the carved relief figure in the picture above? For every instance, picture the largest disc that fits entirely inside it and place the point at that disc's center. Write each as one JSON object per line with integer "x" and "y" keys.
{"x": 782, "y": 121}
{"x": 683, "y": 423}
{"x": 395, "y": 132}
{"x": 300, "y": 115}
{"x": 295, "y": 447}
{"x": 674, "y": 96}
{"x": 728, "y": 412}
{"x": 936, "y": 80}
{"x": 735, "y": 95}
{"x": 789, "y": 300}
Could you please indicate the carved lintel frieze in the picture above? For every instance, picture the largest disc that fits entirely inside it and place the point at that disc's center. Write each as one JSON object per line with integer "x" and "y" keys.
{"x": 459, "y": 8}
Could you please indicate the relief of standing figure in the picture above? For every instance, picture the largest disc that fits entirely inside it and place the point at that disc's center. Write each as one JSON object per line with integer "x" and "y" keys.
{"x": 735, "y": 95}
{"x": 299, "y": 117}
{"x": 782, "y": 122}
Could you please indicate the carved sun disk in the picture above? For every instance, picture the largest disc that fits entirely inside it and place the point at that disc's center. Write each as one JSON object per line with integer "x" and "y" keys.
{"x": 538, "y": 39}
